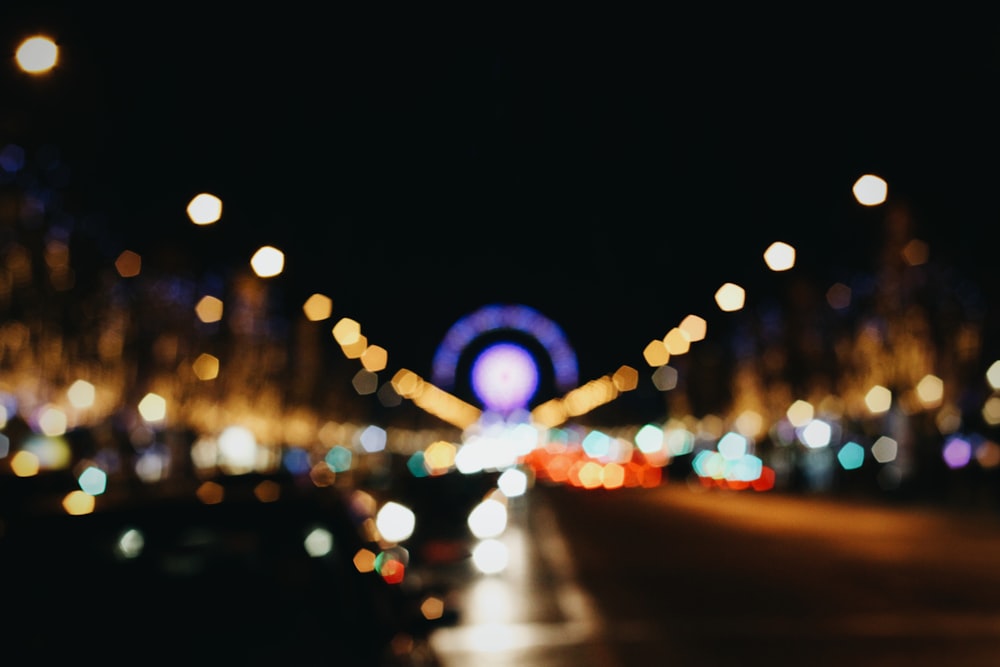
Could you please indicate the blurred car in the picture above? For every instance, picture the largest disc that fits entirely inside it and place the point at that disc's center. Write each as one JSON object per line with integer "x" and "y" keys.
{"x": 244, "y": 570}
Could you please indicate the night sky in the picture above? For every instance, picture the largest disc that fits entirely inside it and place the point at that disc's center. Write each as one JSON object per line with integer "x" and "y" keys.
{"x": 564, "y": 160}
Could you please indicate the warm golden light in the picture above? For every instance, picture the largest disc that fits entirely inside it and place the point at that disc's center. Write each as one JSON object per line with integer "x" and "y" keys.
{"x": 267, "y": 262}
{"x": 317, "y": 307}
{"x": 153, "y": 407}
{"x": 206, "y": 367}
{"x": 993, "y": 374}
{"x": 694, "y": 327}
{"x": 346, "y": 331}
{"x": 204, "y": 209}
{"x": 779, "y": 256}
{"x": 209, "y": 309}
{"x": 870, "y": 190}
{"x": 930, "y": 391}
{"x": 374, "y": 358}
{"x": 730, "y": 297}
{"x": 78, "y": 503}
{"x": 800, "y": 413}
{"x": 37, "y": 55}
{"x": 656, "y": 353}
{"x": 128, "y": 264}
{"x": 878, "y": 399}
{"x": 81, "y": 394}
{"x": 676, "y": 342}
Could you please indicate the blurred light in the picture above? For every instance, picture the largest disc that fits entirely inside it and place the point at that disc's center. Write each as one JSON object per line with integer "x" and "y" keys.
{"x": 395, "y": 522}
{"x": 490, "y": 556}
{"x": 318, "y": 543}
{"x": 128, "y": 264}
{"x": 317, "y": 307}
{"x": 878, "y": 399}
{"x": 356, "y": 349}
{"x": 665, "y": 378}
{"x": 993, "y": 374}
{"x": 206, "y": 367}
{"x": 870, "y": 190}
{"x": 732, "y": 446}
{"x": 656, "y": 353}
{"x": 204, "y": 209}
{"x": 930, "y": 391}
{"x": 513, "y": 482}
{"x": 237, "y": 450}
{"x": 750, "y": 423}
{"x": 679, "y": 441}
{"x": 153, "y": 407}
{"x": 25, "y": 464}
{"x": 374, "y": 358}
{"x": 81, "y": 394}
{"x": 676, "y": 342}
{"x": 50, "y": 452}
{"x": 915, "y": 252}
{"x": 838, "y": 296}
{"x": 268, "y": 491}
{"x": 36, "y": 55}
{"x": 488, "y": 518}
{"x": 432, "y": 608}
{"x": 268, "y": 261}
{"x": 373, "y": 438}
{"x": 504, "y": 377}
{"x": 779, "y": 256}
{"x": 991, "y": 410}
{"x": 210, "y": 493}
{"x": 365, "y": 382}
{"x": 800, "y": 412}
{"x": 884, "y": 449}
{"x": 52, "y": 421}
{"x": 130, "y": 543}
{"x": 364, "y": 560}
{"x": 956, "y": 452}
{"x": 339, "y": 459}
{"x": 4, "y": 445}
{"x": 78, "y": 503}
{"x": 93, "y": 481}
{"x": 625, "y": 378}
{"x": 209, "y": 309}
{"x": 439, "y": 457}
{"x": 12, "y": 158}
{"x": 851, "y": 456}
{"x": 988, "y": 454}
{"x": 346, "y": 331}
{"x": 649, "y": 439}
{"x": 730, "y": 297}
{"x": 694, "y": 327}
{"x": 816, "y": 434}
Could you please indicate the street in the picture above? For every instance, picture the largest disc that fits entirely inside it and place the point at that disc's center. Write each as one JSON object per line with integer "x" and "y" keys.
{"x": 677, "y": 576}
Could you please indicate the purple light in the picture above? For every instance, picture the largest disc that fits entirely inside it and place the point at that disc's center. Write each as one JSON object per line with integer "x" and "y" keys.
{"x": 957, "y": 452}
{"x": 504, "y": 377}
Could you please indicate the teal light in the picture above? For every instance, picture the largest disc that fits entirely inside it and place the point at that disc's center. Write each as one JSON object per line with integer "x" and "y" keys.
{"x": 339, "y": 459}
{"x": 851, "y": 456}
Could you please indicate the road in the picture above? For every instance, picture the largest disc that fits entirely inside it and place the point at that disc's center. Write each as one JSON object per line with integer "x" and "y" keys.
{"x": 674, "y": 576}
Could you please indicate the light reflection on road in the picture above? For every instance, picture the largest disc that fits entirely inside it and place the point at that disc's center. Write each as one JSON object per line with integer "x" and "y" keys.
{"x": 532, "y": 613}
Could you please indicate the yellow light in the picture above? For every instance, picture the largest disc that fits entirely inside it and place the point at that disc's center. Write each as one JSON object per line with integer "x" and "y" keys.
{"x": 268, "y": 261}
{"x": 153, "y": 407}
{"x": 656, "y": 353}
{"x": 779, "y": 256}
{"x": 81, "y": 394}
{"x": 37, "y": 54}
{"x": 317, "y": 307}
{"x": 209, "y": 309}
{"x": 204, "y": 209}
{"x": 730, "y": 297}
{"x": 870, "y": 190}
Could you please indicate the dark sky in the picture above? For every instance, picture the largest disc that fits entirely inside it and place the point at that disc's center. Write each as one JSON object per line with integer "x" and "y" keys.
{"x": 560, "y": 159}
